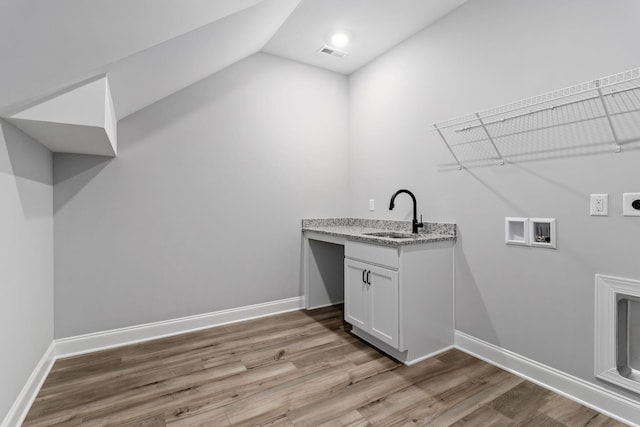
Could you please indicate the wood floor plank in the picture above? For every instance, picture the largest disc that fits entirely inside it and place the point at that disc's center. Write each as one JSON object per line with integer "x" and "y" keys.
{"x": 209, "y": 401}
{"x": 521, "y": 402}
{"x": 572, "y": 413}
{"x": 300, "y": 368}
{"x": 459, "y": 401}
{"x": 293, "y": 346}
{"x": 214, "y": 418}
{"x": 484, "y": 416}
{"x": 391, "y": 409}
{"x": 145, "y": 421}
{"x": 283, "y": 421}
{"x": 450, "y": 375}
{"x": 303, "y": 391}
{"x": 456, "y": 373}
{"x": 361, "y": 393}
{"x": 539, "y": 420}
{"x": 319, "y": 367}
{"x": 184, "y": 401}
{"x": 350, "y": 419}
{"x": 72, "y": 409}
{"x": 80, "y": 390}
{"x": 230, "y": 339}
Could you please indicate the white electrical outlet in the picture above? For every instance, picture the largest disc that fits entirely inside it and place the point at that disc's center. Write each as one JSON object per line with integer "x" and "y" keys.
{"x": 599, "y": 205}
{"x": 631, "y": 204}
{"x": 372, "y": 205}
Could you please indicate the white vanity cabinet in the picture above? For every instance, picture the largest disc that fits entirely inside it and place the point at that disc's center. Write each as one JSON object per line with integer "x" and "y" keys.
{"x": 400, "y": 298}
{"x": 371, "y": 300}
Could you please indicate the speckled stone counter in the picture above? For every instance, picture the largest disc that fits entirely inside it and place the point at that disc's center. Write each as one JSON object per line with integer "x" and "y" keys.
{"x": 357, "y": 229}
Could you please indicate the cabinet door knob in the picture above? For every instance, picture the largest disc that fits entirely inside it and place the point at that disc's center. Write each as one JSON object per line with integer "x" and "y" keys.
{"x": 368, "y": 273}
{"x": 363, "y": 279}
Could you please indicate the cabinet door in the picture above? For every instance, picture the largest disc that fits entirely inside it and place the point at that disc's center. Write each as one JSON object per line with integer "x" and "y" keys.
{"x": 383, "y": 305}
{"x": 356, "y": 294}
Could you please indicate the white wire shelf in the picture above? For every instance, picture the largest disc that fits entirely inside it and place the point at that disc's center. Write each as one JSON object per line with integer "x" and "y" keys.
{"x": 595, "y": 116}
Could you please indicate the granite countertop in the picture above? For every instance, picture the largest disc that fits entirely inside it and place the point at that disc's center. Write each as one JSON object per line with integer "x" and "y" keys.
{"x": 356, "y": 229}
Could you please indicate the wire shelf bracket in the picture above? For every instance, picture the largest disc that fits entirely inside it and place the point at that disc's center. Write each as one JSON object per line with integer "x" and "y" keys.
{"x": 606, "y": 111}
{"x": 448, "y": 146}
{"x": 493, "y": 144}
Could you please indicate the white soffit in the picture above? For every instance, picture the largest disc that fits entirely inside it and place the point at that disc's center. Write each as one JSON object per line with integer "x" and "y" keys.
{"x": 150, "y": 75}
{"x": 81, "y": 120}
{"x": 377, "y": 26}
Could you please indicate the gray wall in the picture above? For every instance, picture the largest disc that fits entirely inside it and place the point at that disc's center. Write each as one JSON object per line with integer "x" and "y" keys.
{"x": 201, "y": 210}
{"x": 26, "y": 259}
{"x": 535, "y": 302}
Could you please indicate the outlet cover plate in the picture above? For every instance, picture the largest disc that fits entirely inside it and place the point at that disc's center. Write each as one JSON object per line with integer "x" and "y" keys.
{"x": 599, "y": 205}
{"x": 627, "y": 204}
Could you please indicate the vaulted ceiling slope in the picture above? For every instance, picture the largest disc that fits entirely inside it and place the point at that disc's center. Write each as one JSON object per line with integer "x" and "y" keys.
{"x": 150, "y": 49}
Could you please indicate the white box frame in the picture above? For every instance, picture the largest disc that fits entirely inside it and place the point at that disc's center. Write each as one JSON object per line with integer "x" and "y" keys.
{"x": 608, "y": 289}
{"x": 552, "y": 232}
{"x": 509, "y": 235}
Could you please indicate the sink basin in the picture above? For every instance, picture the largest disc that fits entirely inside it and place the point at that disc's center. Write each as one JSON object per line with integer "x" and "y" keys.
{"x": 392, "y": 235}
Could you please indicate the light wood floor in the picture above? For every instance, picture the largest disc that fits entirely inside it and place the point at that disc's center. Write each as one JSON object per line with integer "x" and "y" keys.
{"x": 299, "y": 369}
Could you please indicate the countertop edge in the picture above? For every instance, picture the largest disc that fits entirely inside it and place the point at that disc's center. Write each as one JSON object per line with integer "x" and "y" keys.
{"x": 360, "y": 236}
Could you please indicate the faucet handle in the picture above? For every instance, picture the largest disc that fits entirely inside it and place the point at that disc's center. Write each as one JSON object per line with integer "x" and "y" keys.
{"x": 420, "y": 224}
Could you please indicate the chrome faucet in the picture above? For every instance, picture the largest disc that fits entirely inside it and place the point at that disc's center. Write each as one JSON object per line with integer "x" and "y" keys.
{"x": 414, "y": 224}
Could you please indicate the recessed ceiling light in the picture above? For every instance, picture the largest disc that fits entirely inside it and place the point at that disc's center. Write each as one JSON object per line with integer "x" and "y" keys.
{"x": 340, "y": 39}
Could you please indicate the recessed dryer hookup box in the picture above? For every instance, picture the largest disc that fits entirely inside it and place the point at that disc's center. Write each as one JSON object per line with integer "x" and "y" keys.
{"x": 542, "y": 232}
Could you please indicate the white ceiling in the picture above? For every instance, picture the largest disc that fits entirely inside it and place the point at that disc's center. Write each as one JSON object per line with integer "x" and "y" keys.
{"x": 152, "y": 48}
{"x": 377, "y": 26}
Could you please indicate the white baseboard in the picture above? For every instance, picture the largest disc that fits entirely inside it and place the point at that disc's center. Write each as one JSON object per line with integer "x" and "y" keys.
{"x": 88, "y": 343}
{"x": 591, "y": 395}
{"x": 329, "y": 304}
{"x": 23, "y": 402}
